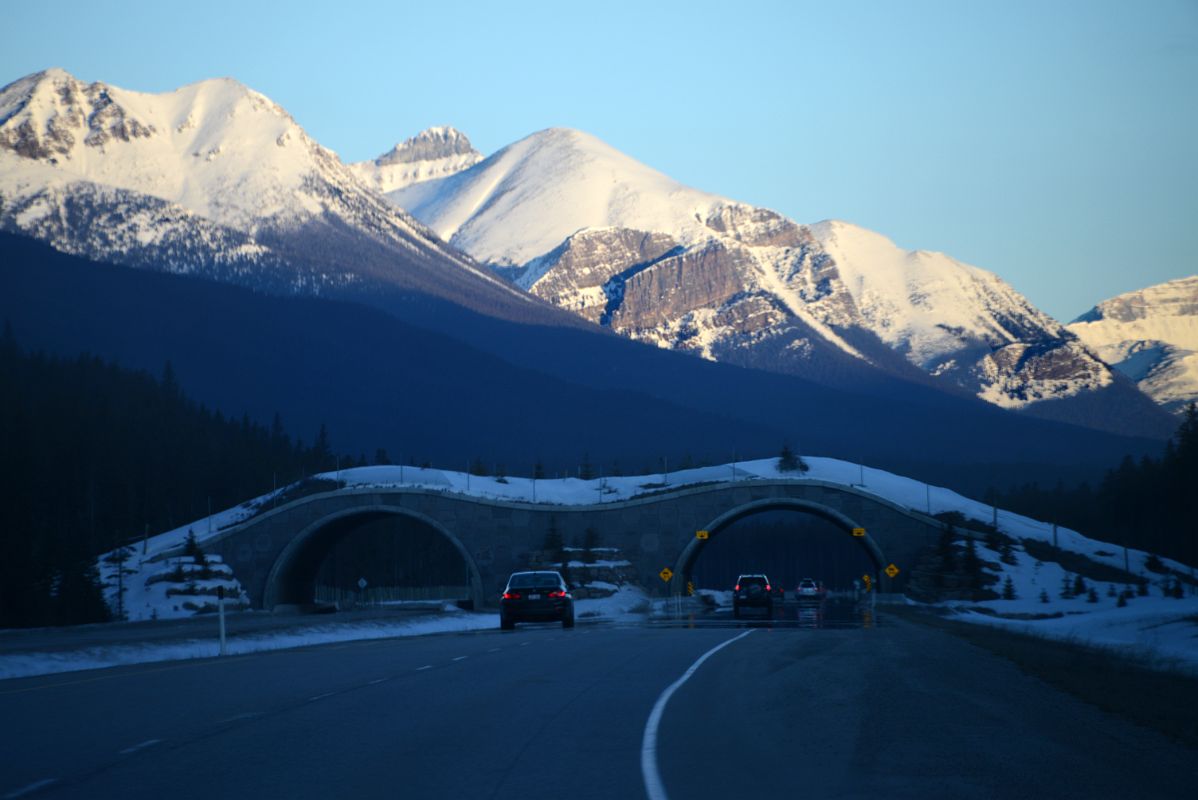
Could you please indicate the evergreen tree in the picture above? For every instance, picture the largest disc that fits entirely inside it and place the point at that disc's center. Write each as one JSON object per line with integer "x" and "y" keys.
{"x": 1043, "y": 595}
{"x": 587, "y": 470}
{"x": 321, "y": 457}
{"x": 1091, "y": 595}
{"x": 191, "y": 547}
{"x": 381, "y": 458}
{"x": 971, "y": 565}
{"x": 1079, "y": 586}
{"x": 590, "y": 540}
{"x": 1008, "y": 589}
{"x": 538, "y": 471}
{"x": 788, "y": 461}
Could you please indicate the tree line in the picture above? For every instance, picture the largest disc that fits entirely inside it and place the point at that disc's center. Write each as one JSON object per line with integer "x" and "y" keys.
{"x": 1150, "y": 504}
{"x": 95, "y": 455}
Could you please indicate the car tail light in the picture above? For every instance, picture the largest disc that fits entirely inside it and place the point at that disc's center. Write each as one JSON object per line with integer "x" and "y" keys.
{"x": 767, "y": 587}
{"x": 557, "y": 594}
{"x": 737, "y": 589}
{"x": 511, "y": 595}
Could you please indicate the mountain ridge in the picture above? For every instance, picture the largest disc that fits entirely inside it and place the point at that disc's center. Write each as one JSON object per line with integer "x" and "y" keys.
{"x": 572, "y": 220}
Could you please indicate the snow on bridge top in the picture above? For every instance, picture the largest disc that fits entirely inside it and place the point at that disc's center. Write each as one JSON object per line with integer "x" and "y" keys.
{"x": 900, "y": 490}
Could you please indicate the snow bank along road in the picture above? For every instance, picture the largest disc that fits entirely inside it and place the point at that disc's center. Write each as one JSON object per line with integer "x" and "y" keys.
{"x": 894, "y": 711}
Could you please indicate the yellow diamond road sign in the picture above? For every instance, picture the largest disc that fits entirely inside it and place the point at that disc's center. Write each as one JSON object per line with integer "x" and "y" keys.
{"x": 858, "y": 531}
{"x": 892, "y": 570}
{"x": 666, "y": 574}
{"x": 702, "y": 535}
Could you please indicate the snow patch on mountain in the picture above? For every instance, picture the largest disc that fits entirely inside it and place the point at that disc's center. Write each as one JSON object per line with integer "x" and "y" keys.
{"x": 525, "y": 200}
{"x": 1150, "y": 335}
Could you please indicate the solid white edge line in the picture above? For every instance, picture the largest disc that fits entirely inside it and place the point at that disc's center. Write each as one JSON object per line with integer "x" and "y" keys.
{"x": 33, "y": 787}
{"x": 653, "y": 785}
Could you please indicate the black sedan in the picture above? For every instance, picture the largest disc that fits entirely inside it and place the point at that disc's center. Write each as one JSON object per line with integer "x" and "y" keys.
{"x": 540, "y": 596}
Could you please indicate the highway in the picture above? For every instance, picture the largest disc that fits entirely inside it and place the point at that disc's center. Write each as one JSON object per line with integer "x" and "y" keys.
{"x": 885, "y": 709}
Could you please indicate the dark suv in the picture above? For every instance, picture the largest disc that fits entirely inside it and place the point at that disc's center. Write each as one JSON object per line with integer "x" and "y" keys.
{"x": 752, "y": 591}
{"x": 540, "y": 596}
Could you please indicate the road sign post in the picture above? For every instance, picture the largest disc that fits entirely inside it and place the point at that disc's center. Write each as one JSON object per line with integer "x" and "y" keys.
{"x": 220, "y": 612}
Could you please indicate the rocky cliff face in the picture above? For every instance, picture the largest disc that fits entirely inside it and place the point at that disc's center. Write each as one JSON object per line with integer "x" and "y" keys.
{"x": 433, "y": 153}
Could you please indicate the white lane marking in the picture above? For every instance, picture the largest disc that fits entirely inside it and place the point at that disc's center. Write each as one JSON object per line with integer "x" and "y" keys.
{"x": 33, "y": 787}
{"x": 141, "y": 746}
{"x": 426, "y": 666}
{"x": 461, "y": 658}
{"x": 376, "y": 680}
{"x": 525, "y": 644}
{"x": 321, "y": 697}
{"x": 653, "y": 785}
{"x": 246, "y": 715}
{"x": 494, "y": 650}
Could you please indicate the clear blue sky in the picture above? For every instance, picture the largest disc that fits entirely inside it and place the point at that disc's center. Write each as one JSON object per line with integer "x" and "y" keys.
{"x": 1051, "y": 142}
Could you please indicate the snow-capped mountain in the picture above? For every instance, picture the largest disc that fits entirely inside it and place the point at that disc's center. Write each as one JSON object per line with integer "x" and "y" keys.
{"x": 213, "y": 179}
{"x": 1150, "y": 335}
{"x": 433, "y": 153}
{"x": 574, "y": 221}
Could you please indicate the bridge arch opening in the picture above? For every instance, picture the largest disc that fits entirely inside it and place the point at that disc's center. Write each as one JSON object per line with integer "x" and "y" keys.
{"x": 787, "y": 539}
{"x": 400, "y": 554}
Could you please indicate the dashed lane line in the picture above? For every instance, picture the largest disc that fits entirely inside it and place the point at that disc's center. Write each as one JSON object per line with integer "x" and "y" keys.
{"x": 140, "y": 746}
{"x": 33, "y": 787}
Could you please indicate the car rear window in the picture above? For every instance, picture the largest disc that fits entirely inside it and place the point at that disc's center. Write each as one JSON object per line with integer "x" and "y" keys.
{"x": 752, "y": 580}
{"x": 531, "y": 580}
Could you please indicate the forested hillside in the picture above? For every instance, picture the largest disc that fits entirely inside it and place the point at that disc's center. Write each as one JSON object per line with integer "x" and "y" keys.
{"x": 1150, "y": 504}
{"x": 94, "y": 455}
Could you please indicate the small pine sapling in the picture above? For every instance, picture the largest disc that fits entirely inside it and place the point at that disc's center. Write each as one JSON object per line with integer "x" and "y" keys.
{"x": 1008, "y": 589}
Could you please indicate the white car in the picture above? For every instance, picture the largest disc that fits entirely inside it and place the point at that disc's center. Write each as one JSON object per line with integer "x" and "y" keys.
{"x": 809, "y": 590}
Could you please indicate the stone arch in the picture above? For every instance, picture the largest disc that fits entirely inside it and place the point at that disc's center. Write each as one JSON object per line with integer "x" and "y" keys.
{"x": 690, "y": 553}
{"x": 296, "y": 565}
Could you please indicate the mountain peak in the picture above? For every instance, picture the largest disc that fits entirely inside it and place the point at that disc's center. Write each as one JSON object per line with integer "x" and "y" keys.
{"x": 436, "y": 152}
{"x": 430, "y": 144}
{"x": 1150, "y": 335}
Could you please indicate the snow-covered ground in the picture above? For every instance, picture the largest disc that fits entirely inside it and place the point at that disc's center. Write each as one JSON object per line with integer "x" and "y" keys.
{"x": 1161, "y": 630}
{"x": 627, "y": 604}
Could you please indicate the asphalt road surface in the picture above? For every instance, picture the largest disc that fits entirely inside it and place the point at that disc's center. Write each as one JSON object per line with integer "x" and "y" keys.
{"x": 879, "y": 709}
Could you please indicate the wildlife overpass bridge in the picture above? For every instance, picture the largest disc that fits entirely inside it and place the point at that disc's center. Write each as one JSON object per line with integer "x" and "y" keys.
{"x": 276, "y": 554}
